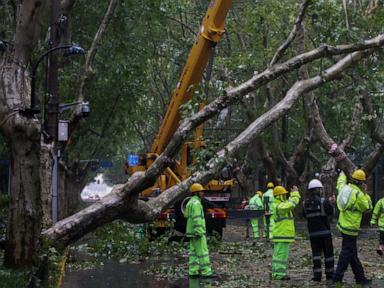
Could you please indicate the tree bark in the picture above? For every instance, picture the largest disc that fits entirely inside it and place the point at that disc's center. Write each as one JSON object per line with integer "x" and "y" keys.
{"x": 23, "y": 138}
{"x": 25, "y": 213}
{"x": 46, "y": 182}
{"x": 70, "y": 187}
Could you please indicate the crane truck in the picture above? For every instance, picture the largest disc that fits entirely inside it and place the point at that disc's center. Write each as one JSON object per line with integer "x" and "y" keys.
{"x": 218, "y": 190}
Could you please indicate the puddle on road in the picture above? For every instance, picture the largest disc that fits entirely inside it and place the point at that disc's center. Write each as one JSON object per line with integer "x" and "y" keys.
{"x": 123, "y": 275}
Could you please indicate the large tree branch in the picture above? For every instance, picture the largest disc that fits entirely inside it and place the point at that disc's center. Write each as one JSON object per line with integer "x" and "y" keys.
{"x": 259, "y": 125}
{"x": 28, "y": 20}
{"x": 122, "y": 196}
{"x": 288, "y": 167}
{"x": 299, "y": 18}
{"x": 88, "y": 70}
{"x": 373, "y": 158}
{"x": 326, "y": 142}
{"x": 137, "y": 184}
{"x": 356, "y": 118}
{"x": 67, "y": 5}
{"x": 267, "y": 160}
{"x": 377, "y": 132}
{"x": 235, "y": 94}
{"x": 348, "y": 141}
{"x": 365, "y": 104}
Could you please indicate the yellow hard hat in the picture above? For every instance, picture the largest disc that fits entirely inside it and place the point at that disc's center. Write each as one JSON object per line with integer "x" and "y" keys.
{"x": 259, "y": 193}
{"x": 279, "y": 190}
{"x": 359, "y": 175}
{"x": 196, "y": 187}
{"x": 270, "y": 185}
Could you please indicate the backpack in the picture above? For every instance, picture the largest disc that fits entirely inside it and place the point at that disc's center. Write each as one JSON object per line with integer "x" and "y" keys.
{"x": 344, "y": 196}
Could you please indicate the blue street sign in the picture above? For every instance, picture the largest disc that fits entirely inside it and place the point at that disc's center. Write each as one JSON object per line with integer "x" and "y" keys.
{"x": 133, "y": 160}
{"x": 106, "y": 164}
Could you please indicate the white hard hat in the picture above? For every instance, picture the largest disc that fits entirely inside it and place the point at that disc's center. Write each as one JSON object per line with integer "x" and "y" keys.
{"x": 314, "y": 183}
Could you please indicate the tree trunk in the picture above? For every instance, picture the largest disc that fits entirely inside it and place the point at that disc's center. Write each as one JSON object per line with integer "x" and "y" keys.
{"x": 70, "y": 188}
{"x": 62, "y": 193}
{"x": 25, "y": 213}
{"x": 46, "y": 183}
{"x": 23, "y": 139}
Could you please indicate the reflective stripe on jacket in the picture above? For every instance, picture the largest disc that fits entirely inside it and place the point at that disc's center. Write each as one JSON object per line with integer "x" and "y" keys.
{"x": 195, "y": 217}
{"x": 316, "y": 210}
{"x": 378, "y": 214}
{"x": 358, "y": 203}
{"x": 284, "y": 229}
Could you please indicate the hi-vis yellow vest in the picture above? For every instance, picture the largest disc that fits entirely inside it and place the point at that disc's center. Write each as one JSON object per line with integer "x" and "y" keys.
{"x": 352, "y": 211}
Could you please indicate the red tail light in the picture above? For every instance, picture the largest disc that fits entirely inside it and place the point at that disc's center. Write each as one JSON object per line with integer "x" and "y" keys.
{"x": 167, "y": 214}
{"x": 216, "y": 213}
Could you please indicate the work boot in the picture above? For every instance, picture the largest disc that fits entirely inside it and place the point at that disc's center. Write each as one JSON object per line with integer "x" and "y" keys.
{"x": 210, "y": 276}
{"x": 337, "y": 282}
{"x": 193, "y": 276}
{"x": 365, "y": 283}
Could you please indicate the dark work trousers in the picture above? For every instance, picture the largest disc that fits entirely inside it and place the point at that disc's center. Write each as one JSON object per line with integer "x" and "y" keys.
{"x": 348, "y": 255}
{"x": 322, "y": 245}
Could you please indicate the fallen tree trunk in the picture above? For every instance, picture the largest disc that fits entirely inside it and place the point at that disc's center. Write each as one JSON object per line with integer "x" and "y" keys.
{"x": 121, "y": 201}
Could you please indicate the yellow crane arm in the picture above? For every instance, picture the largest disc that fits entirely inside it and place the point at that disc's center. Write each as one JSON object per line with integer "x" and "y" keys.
{"x": 211, "y": 31}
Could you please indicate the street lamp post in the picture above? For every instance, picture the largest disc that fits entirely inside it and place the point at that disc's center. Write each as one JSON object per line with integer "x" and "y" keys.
{"x": 62, "y": 127}
{"x": 70, "y": 50}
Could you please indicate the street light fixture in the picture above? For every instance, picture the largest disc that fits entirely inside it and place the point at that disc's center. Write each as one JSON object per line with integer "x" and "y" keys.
{"x": 3, "y": 45}
{"x": 85, "y": 109}
{"x": 70, "y": 50}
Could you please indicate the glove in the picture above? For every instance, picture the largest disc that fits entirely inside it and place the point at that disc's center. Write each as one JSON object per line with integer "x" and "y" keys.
{"x": 295, "y": 194}
{"x": 338, "y": 156}
{"x": 333, "y": 148}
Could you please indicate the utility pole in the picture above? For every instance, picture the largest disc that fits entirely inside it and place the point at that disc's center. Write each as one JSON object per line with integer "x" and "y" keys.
{"x": 53, "y": 103}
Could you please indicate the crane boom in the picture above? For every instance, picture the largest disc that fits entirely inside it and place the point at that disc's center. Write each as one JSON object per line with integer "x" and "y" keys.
{"x": 218, "y": 190}
{"x": 211, "y": 31}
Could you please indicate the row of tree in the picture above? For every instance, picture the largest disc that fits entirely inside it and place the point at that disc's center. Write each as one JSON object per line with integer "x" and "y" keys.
{"x": 292, "y": 77}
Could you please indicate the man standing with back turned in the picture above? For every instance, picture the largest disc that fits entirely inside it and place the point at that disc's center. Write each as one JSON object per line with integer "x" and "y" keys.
{"x": 283, "y": 233}
{"x": 255, "y": 203}
{"x": 199, "y": 263}
{"x": 352, "y": 202}
{"x": 317, "y": 209}
{"x": 268, "y": 220}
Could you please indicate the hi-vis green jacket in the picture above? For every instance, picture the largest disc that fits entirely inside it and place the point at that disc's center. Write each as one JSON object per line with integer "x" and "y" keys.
{"x": 255, "y": 203}
{"x": 378, "y": 214}
{"x": 284, "y": 229}
{"x": 358, "y": 203}
{"x": 195, "y": 214}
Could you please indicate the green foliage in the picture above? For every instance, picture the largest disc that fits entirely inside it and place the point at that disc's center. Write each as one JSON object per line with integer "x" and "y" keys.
{"x": 126, "y": 243}
{"x": 4, "y": 202}
{"x": 13, "y": 278}
{"x": 146, "y": 45}
{"x": 202, "y": 155}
